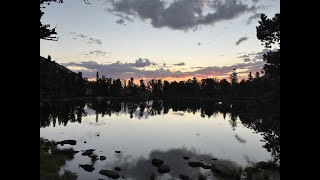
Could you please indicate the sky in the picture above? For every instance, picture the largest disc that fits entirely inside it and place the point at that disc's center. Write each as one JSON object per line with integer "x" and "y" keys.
{"x": 168, "y": 39}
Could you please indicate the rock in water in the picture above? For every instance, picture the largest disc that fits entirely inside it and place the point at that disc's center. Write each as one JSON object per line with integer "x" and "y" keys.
{"x": 184, "y": 177}
{"x": 185, "y": 157}
{"x": 117, "y": 169}
{"x": 87, "y": 167}
{"x": 156, "y": 162}
{"x": 118, "y": 152}
{"x": 88, "y": 152}
{"x": 163, "y": 168}
{"x": 206, "y": 166}
{"x": 71, "y": 142}
{"x": 110, "y": 174}
{"x": 196, "y": 164}
{"x": 103, "y": 158}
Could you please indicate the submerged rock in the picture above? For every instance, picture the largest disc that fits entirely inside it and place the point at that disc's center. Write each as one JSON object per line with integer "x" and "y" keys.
{"x": 156, "y": 162}
{"x": 110, "y": 174}
{"x": 118, "y": 152}
{"x": 71, "y": 142}
{"x": 185, "y": 157}
{"x": 196, "y": 164}
{"x": 103, "y": 158}
{"x": 87, "y": 167}
{"x": 163, "y": 168}
{"x": 117, "y": 169}
{"x": 182, "y": 176}
{"x": 88, "y": 152}
{"x": 205, "y": 166}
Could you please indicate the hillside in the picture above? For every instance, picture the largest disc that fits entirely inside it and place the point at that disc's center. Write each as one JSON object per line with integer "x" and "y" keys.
{"x": 57, "y": 81}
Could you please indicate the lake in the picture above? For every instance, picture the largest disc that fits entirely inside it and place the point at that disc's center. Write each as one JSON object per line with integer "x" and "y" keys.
{"x": 168, "y": 130}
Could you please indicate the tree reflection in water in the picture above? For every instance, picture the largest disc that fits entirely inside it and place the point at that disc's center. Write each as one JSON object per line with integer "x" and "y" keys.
{"x": 261, "y": 117}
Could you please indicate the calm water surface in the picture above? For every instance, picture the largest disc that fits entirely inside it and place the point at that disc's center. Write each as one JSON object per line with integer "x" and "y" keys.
{"x": 145, "y": 130}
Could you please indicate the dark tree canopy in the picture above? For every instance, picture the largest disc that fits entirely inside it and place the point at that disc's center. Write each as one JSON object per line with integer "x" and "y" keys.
{"x": 46, "y": 32}
{"x": 268, "y": 31}
{"x": 272, "y": 65}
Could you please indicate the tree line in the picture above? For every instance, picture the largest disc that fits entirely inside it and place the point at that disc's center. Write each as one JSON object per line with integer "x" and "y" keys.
{"x": 57, "y": 81}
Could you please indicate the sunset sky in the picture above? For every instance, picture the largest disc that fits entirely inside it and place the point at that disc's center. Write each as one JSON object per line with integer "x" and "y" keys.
{"x": 169, "y": 39}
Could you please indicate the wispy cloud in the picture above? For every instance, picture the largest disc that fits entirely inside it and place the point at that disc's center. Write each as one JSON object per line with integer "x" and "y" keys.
{"x": 242, "y": 39}
{"x": 198, "y": 67}
{"x": 137, "y": 71}
{"x": 120, "y": 21}
{"x": 180, "y": 14}
{"x": 94, "y": 41}
{"x": 253, "y": 57}
{"x": 96, "y": 52}
{"x": 88, "y": 40}
{"x": 180, "y": 64}
{"x": 254, "y": 16}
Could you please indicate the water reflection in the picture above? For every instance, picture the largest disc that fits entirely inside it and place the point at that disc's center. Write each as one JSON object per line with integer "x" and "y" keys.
{"x": 142, "y": 168}
{"x": 263, "y": 118}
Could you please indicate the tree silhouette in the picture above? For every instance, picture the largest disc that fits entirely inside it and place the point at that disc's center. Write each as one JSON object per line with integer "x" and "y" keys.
{"x": 142, "y": 86}
{"x": 45, "y": 31}
{"x": 257, "y": 75}
{"x": 250, "y": 78}
{"x": 234, "y": 77}
{"x": 272, "y": 65}
{"x": 268, "y": 32}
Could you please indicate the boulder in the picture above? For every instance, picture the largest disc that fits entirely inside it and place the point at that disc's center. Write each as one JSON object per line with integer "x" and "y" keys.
{"x": 88, "y": 152}
{"x": 184, "y": 177}
{"x": 71, "y": 142}
{"x": 195, "y": 164}
{"x": 163, "y": 168}
{"x": 156, "y": 162}
{"x": 185, "y": 157}
{"x": 103, "y": 158}
{"x": 205, "y": 166}
{"x": 110, "y": 174}
{"x": 87, "y": 167}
